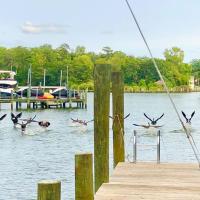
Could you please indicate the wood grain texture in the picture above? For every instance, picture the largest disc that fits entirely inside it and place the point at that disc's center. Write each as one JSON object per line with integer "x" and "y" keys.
{"x": 84, "y": 177}
{"x": 49, "y": 190}
{"x": 153, "y": 182}
{"x": 102, "y": 76}
{"x": 118, "y": 117}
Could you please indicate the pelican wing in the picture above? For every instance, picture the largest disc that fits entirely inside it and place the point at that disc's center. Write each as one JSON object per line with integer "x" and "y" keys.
{"x": 147, "y": 126}
{"x": 1, "y": 118}
{"x": 12, "y": 115}
{"x": 184, "y": 115}
{"x": 159, "y": 117}
{"x": 19, "y": 115}
{"x": 144, "y": 126}
{"x": 157, "y": 126}
{"x": 192, "y": 115}
{"x": 90, "y": 121}
{"x": 148, "y": 117}
{"x": 127, "y": 116}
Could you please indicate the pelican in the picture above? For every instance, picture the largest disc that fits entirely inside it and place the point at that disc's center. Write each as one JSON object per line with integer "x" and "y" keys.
{"x": 23, "y": 125}
{"x": 153, "y": 122}
{"x": 81, "y": 122}
{"x": 15, "y": 118}
{"x": 188, "y": 121}
{"x": 151, "y": 127}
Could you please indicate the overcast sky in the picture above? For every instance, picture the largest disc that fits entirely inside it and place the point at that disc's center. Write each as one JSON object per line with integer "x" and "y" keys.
{"x": 98, "y": 23}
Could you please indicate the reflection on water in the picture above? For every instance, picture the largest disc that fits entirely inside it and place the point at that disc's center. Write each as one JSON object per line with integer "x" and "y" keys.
{"x": 49, "y": 153}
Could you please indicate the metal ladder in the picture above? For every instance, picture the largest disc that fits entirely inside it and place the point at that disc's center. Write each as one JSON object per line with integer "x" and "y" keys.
{"x": 135, "y": 147}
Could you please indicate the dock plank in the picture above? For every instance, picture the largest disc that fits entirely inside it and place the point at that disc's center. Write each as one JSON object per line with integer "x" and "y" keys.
{"x": 152, "y": 181}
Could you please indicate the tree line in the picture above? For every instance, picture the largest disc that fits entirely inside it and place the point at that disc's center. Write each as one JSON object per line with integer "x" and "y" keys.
{"x": 139, "y": 72}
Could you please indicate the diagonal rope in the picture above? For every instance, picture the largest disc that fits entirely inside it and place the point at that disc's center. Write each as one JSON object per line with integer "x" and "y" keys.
{"x": 190, "y": 138}
{"x": 116, "y": 119}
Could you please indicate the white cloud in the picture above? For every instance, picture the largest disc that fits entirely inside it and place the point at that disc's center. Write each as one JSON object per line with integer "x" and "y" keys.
{"x": 29, "y": 27}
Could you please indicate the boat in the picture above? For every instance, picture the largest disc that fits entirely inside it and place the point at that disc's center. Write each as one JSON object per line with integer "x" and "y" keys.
{"x": 7, "y": 80}
{"x": 23, "y": 92}
{"x": 7, "y": 84}
{"x": 7, "y": 93}
{"x": 46, "y": 96}
{"x": 63, "y": 92}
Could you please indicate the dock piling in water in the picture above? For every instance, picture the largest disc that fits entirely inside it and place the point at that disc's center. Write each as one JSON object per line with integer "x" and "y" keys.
{"x": 118, "y": 117}
{"x": 49, "y": 190}
{"x": 102, "y": 75}
{"x": 84, "y": 177}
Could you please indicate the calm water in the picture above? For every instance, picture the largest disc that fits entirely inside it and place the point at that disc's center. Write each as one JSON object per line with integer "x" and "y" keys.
{"x": 49, "y": 154}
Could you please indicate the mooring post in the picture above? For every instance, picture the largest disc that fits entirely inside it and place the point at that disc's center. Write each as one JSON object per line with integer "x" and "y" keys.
{"x": 118, "y": 117}
{"x": 158, "y": 147}
{"x": 49, "y": 190}
{"x": 33, "y": 105}
{"x": 86, "y": 91}
{"x": 84, "y": 177}
{"x": 28, "y": 104}
{"x": 102, "y": 73}
{"x": 70, "y": 103}
{"x": 11, "y": 104}
{"x": 17, "y": 105}
{"x": 20, "y": 104}
{"x": 135, "y": 147}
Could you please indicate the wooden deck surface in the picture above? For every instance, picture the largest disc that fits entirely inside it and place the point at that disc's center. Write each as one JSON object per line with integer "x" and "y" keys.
{"x": 153, "y": 182}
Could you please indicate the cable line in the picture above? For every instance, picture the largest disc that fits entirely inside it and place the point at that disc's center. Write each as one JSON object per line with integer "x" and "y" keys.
{"x": 188, "y": 134}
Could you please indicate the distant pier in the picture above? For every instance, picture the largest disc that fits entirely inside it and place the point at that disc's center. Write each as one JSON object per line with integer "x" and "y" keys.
{"x": 37, "y": 103}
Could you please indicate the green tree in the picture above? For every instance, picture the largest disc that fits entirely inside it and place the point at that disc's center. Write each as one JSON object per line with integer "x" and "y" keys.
{"x": 107, "y": 51}
{"x": 174, "y": 55}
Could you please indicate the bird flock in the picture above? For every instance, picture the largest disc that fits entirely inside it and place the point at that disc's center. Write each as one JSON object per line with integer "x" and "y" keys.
{"x": 151, "y": 124}
{"x": 22, "y": 123}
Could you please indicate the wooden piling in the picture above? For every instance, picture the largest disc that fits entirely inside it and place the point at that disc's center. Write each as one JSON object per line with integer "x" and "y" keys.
{"x": 118, "y": 117}
{"x": 28, "y": 104}
{"x": 20, "y": 105}
{"x": 17, "y": 105}
{"x": 84, "y": 177}
{"x": 102, "y": 73}
{"x": 49, "y": 190}
{"x": 85, "y": 99}
{"x": 70, "y": 103}
{"x": 33, "y": 105}
{"x": 11, "y": 104}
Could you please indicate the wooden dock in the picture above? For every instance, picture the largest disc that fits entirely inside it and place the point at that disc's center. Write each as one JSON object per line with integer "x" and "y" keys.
{"x": 152, "y": 181}
{"x": 36, "y": 102}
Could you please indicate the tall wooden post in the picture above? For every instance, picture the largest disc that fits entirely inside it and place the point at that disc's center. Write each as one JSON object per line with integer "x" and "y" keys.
{"x": 17, "y": 105}
{"x": 118, "y": 117}
{"x": 86, "y": 91}
{"x": 49, "y": 190}
{"x": 84, "y": 177}
{"x": 102, "y": 73}
{"x": 11, "y": 104}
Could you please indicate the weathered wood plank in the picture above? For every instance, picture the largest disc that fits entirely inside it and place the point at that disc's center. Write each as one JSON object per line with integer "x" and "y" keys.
{"x": 152, "y": 181}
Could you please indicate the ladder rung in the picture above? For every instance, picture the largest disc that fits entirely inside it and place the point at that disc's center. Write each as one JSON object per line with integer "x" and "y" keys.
{"x": 146, "y": 145}
{"x": 145, "y": 161}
